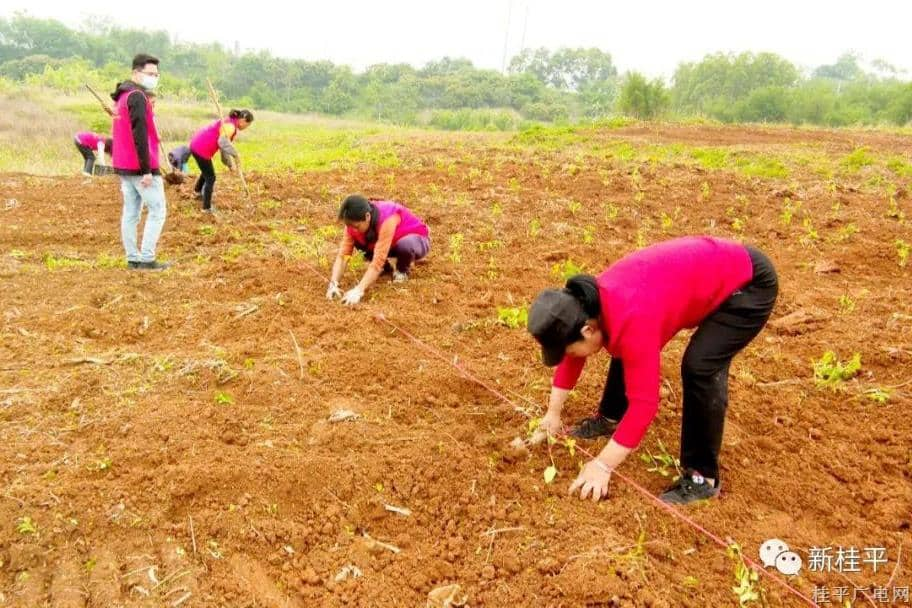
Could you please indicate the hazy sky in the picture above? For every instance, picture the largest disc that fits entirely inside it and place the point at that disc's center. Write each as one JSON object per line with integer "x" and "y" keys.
{"x": 649, "y": 36}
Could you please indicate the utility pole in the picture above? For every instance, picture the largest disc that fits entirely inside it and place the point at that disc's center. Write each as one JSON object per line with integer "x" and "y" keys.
{"x": 503, "y": 64}
{"x": 522, "y": 40}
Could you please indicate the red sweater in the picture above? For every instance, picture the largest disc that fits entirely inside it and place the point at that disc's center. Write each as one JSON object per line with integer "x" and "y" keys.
{"x": 649, "y": 296}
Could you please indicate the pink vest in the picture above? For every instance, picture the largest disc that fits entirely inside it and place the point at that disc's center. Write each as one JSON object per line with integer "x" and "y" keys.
{"x": 124, "y": 154}
{"x": 205, "y": 141}
{"x": 408, "y": 224}
{"x": 89, "y": 139}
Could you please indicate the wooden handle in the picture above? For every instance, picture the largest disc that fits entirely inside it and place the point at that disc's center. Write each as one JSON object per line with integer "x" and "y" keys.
{"x": 104, "y": 104}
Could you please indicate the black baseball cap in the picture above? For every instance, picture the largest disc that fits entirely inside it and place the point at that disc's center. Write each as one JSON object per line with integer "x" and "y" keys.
{"x": 555, "y": 320}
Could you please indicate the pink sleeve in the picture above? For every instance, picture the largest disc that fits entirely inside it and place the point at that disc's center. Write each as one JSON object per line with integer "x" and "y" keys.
{"x": 568, "y": 372}
{"x": 641, "y": 382}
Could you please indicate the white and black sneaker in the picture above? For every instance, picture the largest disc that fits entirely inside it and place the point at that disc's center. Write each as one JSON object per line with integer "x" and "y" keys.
{"x": 691, "y": 487}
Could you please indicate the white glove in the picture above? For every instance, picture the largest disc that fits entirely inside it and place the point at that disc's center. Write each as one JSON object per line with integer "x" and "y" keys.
{"x": 333, "y": 291}
{"x": 353, "y": 296}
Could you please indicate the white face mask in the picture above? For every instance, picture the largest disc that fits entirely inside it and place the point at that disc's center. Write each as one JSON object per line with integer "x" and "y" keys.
{"x": 149, "y": 82}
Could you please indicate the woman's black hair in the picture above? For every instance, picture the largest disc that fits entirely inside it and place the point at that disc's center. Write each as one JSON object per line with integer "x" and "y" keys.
{"x": 584, "y": 289}
{"x": 245, "y": 114}
{"x": 355, "y": 208}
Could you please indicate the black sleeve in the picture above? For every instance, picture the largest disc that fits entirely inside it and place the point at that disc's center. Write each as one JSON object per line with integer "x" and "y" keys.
{"x": 137, "y": 107}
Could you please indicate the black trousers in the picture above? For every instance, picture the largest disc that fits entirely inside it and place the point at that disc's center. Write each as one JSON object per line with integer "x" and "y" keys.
{"x": 206, "y": 182}
{"x": 704, "y": 369}
{"x": 88, "y": 155}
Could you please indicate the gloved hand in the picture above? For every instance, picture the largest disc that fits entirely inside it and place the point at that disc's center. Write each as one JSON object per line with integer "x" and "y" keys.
{"x": 333, "y": 291}
{"x": 353, "y": 296}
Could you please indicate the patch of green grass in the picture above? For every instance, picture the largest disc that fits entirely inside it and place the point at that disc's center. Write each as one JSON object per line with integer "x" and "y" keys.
{"x": 547, "y": 137}
{"x": 762, "y": 166}
{"x": 103, "y": 260}
{"x": 857, "y": 159}
{"x": 615, "y": 122}
{"x": 54, "y": 262}
{"x": 900, "y": 166}
{"x": 622, "y": 151}
{"x": 709, "y": 158}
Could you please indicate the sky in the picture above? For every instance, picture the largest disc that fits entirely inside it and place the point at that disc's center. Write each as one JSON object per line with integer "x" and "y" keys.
{"x": 648, "y": 36}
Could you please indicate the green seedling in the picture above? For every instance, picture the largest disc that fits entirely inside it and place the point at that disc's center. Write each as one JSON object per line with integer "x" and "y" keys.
{"x": 829, "y": 371}
{"x": 878, "y": 395}
{"x": 747, "y": 580}
{"x": 456, "y": 241}
{"x": 222, "y": 398}
{"x": 662, "y": 463}
{"x": 513, "y": 317}
{"x": 902, "y": 250}
{"x": 26, "y": 527}
{"x": 566, "y": 269}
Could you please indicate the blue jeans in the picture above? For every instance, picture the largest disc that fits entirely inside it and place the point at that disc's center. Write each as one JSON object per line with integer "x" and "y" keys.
{"x": 134, "y": 197}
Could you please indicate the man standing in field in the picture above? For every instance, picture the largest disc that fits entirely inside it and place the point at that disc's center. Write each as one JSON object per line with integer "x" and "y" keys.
{"x": 135, "y": 159}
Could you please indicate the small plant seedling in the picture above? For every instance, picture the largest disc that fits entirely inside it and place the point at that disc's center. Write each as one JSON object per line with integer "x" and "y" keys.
{"x": 902, "y": 250}
{"x": 574, "y": 207}
{"x": 566, "y": 269}
{"x": 588, "y": 235}
{"x": 490, "y": 245}
{"x": 207, "y": 230}
{"x": 550, "y": 474}
{"x": 224, "y": 398}
{"x": 496, "y": 210}
{"x": 662, "y": 463}
{"x": 705, "y": 191}
{"x": 747, "y": 581}
{"x": 492, "y": 268}
{"x": 894, "y": 212}
{"x": 667, "y": 222}
{"x": 846, "y": 232}
{"x": 357, "y": 261}
{"x": 846, "y": 304}
{"x": 535, "y": 227}
{"x": 788, "y": 211}
{"x": 611, "y": 211}
{"x": 513, "y": 317}
{"x": 878, "y": 395}
{"x": 456, "y": 247}
{"x": 829, "y": 371}
{"x": 810, "y": 233}
{"x": 26, "y": 527}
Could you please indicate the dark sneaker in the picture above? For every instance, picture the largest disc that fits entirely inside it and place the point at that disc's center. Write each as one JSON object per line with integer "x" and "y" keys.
{"x": 691, "y": 487}
{"x": 596, "y": 426}
{"x": 209, "y": 210}
{"x": 153, "y": 266}
{"x": 132, "y": 264}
